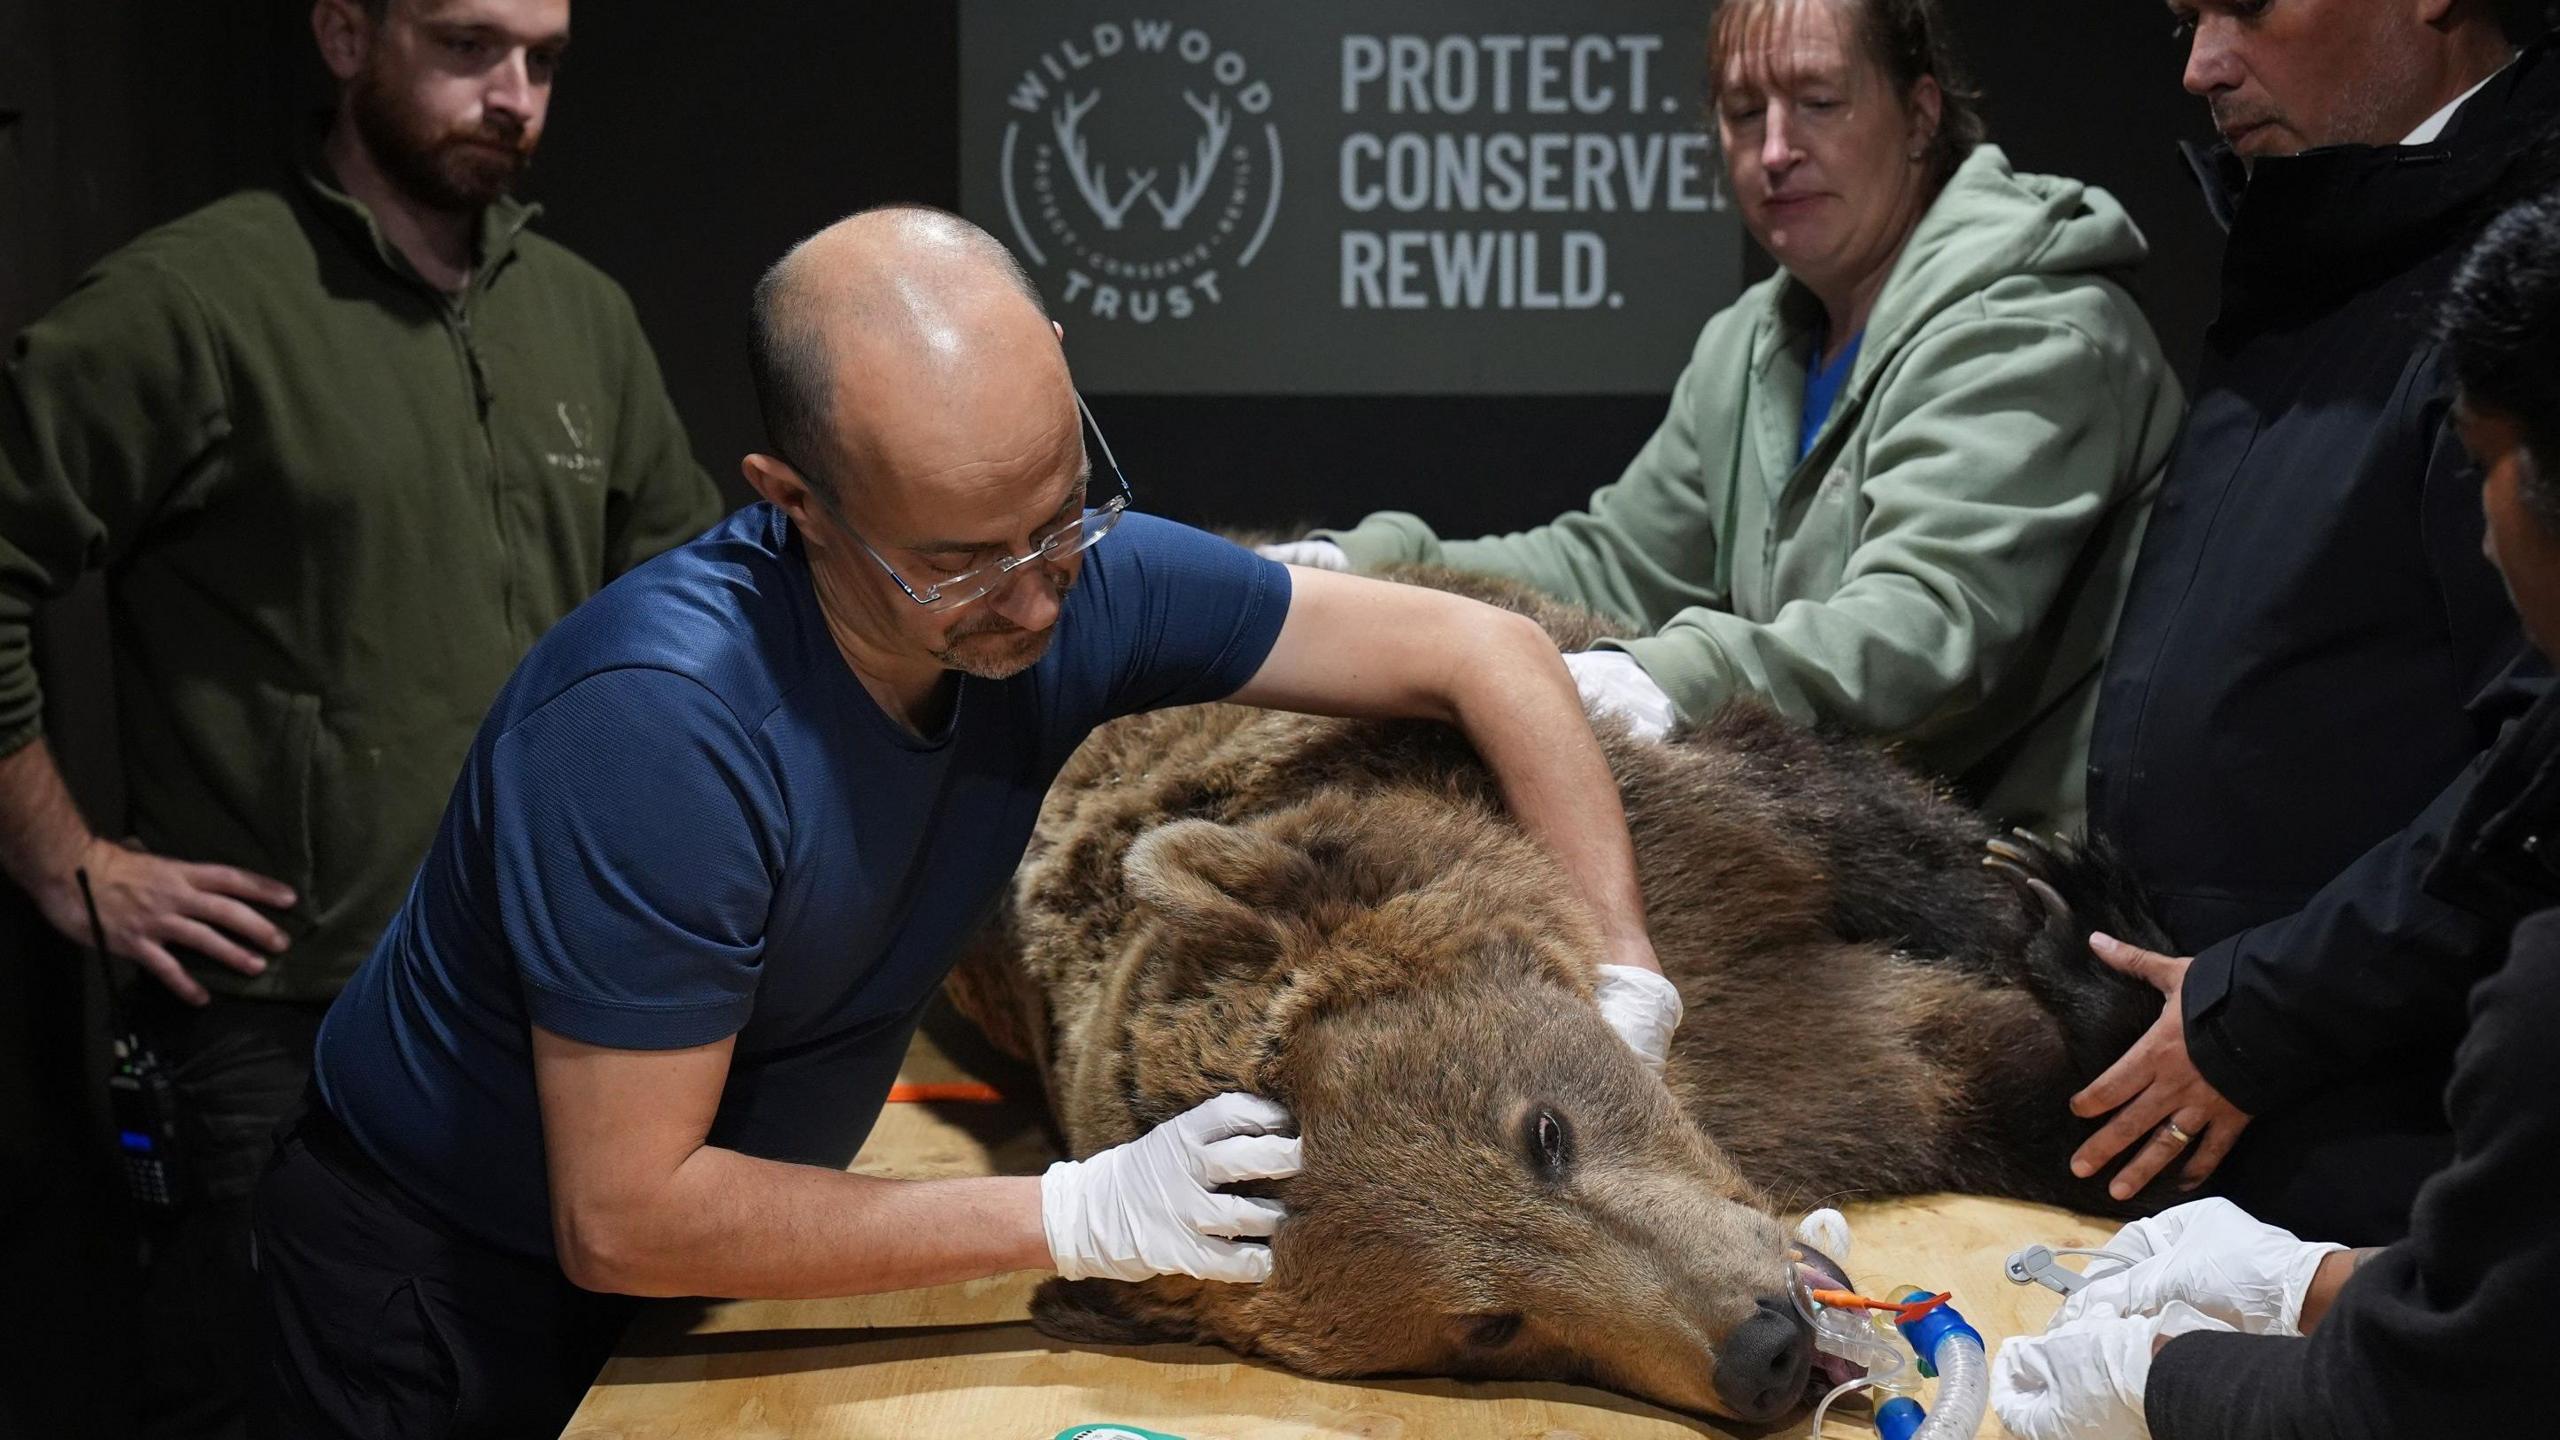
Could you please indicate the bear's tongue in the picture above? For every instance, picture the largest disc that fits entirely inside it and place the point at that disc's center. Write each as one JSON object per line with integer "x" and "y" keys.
{"x": 1832, "y": 1371}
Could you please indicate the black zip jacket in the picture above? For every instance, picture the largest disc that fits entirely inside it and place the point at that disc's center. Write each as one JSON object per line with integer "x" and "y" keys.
{"x": 2314, "y": 655}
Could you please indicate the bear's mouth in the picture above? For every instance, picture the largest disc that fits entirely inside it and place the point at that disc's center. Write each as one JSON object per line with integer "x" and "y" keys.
{"x": 1825, "y": 1272}
{"x": 1817, "y": 1271}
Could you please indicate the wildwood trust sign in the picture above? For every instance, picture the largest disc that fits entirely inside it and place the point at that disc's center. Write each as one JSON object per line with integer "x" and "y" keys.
{"x": 1354, "y": 196}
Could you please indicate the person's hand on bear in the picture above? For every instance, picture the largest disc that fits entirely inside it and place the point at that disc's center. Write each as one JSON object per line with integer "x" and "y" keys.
{"x": 2165, "y": 1110}
{"x": 1643, "y": 1007}
{"x": 1612, "y": 683}
{"x": 1313, "y": 554}
{"x": 1153, "y": 1206}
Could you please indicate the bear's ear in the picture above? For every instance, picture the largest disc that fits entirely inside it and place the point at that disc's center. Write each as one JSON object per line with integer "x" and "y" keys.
{"x": 1227, "y": 889}
{"x": 1108, "y": 1312}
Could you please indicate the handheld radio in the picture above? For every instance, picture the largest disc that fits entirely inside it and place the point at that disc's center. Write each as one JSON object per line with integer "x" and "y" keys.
{"x": 140, "y": 1096}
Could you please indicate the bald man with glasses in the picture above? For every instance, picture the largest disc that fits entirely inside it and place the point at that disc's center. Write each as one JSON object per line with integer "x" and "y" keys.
{"x": 725, "y": 830}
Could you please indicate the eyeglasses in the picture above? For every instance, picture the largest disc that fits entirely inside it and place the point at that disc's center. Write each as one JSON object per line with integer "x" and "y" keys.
{"x": 1061, "y": 541}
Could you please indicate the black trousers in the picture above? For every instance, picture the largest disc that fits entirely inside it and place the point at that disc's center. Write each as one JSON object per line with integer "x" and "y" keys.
{"x": 238, "y": 1066}
{"x": 382, "y": 1321}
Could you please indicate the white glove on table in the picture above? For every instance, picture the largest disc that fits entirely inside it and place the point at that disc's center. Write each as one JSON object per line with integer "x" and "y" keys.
{"x": 1612, "y": 683}
{"x": 2083, "y": 1381}
{"x": 1643, "y": 1007}
{"x": 1314, "y": 554}
{"x": 1152, "y": 1207}
{"x": 2212, "y": 1255}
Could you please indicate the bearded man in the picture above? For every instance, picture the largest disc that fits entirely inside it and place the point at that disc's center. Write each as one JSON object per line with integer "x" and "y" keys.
{"x": 346, "y": 447}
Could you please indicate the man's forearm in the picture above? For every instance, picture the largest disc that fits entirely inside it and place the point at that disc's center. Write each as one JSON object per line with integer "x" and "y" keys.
{"x": 42, "y": 833}
{"x": 1521, "y": 712}
{"x": 735, "y": 1226}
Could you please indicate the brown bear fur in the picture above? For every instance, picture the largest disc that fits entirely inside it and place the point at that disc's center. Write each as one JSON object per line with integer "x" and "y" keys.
{"x": 1338, "y": 915}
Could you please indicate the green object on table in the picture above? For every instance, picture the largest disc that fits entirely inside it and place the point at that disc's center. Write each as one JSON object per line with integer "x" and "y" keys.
{"x": 1112, "y": 1432}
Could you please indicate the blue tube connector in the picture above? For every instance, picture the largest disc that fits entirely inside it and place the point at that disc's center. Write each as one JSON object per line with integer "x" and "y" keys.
{"x": 1929, "y": 1331}
{"x": 1899, "y": 1417}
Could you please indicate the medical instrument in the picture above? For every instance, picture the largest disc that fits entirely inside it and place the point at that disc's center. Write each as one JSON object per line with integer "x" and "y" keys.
{"x": 1853, "y": 1327}
{"x": 2037, "y": 1265}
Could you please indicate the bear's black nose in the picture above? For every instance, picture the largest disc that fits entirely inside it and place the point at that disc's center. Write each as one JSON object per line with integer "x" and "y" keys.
{"x": 1761, "y": 1374}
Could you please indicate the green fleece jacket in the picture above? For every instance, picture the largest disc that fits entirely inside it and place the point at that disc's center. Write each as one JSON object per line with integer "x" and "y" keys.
{"x": 335, "y": 506}
{"x": 1945, "y": 566}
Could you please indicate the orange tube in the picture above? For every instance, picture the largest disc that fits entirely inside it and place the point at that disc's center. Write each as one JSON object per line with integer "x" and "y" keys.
{"x": 1902, "y": 1309}
{"x": 964, "y": 1092}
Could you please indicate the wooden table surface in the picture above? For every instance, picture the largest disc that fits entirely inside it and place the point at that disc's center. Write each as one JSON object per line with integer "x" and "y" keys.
{"x": 963, "y": 1360}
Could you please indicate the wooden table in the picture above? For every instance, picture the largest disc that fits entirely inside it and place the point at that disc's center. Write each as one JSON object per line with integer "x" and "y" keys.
{"x": 963, "y": 1360}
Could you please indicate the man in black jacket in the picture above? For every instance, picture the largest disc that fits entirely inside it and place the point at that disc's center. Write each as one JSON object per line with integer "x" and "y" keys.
{"x": 2314, "y": 655}
{"x": 2225, "y": 1327}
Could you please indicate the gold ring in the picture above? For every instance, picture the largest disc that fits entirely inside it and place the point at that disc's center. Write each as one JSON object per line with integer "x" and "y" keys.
{"x": 2177, "y": 1136}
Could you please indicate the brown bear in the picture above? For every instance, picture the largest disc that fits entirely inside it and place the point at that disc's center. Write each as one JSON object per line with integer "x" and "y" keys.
{"x": 1339, "y": 915}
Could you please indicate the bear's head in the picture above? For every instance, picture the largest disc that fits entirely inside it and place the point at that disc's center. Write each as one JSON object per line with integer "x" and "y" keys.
{"x": 1494, "y": 1186}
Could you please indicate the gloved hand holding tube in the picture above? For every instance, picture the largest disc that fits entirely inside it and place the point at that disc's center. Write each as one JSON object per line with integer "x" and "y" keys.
{"x": 2211, "y": 1255}
{"x": 2083, "y": 1380}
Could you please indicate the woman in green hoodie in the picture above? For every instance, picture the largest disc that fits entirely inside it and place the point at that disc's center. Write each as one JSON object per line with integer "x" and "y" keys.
{"x": 1902, "y": 481}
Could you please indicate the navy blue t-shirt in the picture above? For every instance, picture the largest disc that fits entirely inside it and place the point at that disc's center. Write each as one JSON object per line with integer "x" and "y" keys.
{"x": 686, "y": 819}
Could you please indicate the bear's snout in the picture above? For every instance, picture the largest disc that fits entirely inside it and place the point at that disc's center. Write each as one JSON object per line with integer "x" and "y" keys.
{"x": 1761, "y": 1374}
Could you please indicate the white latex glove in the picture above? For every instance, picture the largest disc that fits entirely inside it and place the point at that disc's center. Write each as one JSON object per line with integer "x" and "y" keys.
{"x": 2083, "y": 1381}
{"x": 1152, "y": 1206}
{"x": 1612, "y": 683}
{"x": 1314, "y": 554}
{"x": 1644, "y": 1008}
{"x": 2212, "y": 1255}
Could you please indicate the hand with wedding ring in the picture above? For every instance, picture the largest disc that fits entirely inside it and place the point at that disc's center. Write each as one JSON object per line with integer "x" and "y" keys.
{"x": 2159, "y": 1097}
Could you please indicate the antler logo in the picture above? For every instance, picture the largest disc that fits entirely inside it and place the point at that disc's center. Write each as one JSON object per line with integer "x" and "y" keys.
{"x": 1065, "y": 123}
{"x": 1191, "y": 183}
{"x": 578, "y": 422}
{"x": 580, "y": 425}
{"x": 1141, "y": 113}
